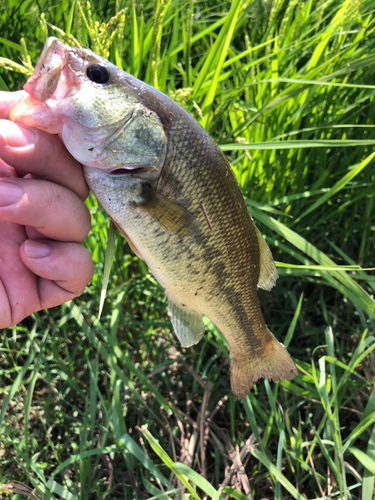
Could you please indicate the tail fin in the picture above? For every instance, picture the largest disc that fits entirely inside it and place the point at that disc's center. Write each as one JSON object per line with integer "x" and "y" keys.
{"x": 273, "y": 363}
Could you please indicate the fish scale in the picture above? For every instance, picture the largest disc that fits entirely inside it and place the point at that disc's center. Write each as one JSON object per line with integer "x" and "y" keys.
{"x": 171, "y": 192}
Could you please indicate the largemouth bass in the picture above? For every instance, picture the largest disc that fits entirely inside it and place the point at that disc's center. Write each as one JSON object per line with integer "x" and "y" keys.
{"x": 172, "y": 194}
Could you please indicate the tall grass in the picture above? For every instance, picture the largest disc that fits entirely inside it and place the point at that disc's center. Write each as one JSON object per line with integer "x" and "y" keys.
{"x": 115, "y": 408}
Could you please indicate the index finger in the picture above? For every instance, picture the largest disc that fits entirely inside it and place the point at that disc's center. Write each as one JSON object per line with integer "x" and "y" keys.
{"x": 43, "y": 155}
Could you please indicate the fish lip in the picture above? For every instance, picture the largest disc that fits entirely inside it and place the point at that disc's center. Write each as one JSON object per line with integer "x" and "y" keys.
{"x": 124, "y": 171}
{"x": 43, "y": 82}
{"x": 128, "y": 170}
{"x": 144, "y": 172}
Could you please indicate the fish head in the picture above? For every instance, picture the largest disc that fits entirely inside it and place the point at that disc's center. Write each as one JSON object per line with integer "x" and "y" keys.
{"x": 87, "y": 101}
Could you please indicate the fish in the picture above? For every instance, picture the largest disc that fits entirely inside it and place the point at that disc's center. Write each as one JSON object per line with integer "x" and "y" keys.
{"x": 172, "y": 194}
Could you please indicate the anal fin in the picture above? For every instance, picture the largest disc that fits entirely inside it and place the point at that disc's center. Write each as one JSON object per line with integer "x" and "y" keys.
{"x": 187, "y": 324}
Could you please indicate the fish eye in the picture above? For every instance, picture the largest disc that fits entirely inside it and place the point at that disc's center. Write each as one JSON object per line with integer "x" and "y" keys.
{"x": 98, "y": 73}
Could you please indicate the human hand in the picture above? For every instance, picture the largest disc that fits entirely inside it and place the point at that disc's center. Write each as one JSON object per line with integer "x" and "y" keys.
{"x": 43, "y": 220}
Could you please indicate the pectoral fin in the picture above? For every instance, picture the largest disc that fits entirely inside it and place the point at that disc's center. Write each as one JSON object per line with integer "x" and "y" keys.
{"x": 268, "y": 273}
{"x": 173, "y": 216}
{"x": 187, "y": 324}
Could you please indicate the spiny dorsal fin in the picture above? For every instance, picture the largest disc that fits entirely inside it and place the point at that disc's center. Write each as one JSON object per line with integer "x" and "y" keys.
{"x": 171, "y": 215}
{"x": 268, "y": 273}
{"x": 187, "y": 324}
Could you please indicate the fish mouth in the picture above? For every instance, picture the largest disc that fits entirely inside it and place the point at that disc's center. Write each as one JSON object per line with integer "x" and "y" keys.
{"x": 142, "y": 171}
{"x": 46, "y": 76}
{"x": 128, "y": 171}
{"x": 50, "y": 82}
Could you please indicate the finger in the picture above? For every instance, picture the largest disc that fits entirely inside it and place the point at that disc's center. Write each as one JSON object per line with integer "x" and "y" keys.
{"x": 30, "y": 150}
{"x": 17, "y": 283}
{"x": 6, "y": 170}
{"x": 64, "y": 268}
{"x": 8, "y": 100}
{"x": 15, "y": 304}
{"x": 54, "y": 211}
{"x": 33, "y": 234}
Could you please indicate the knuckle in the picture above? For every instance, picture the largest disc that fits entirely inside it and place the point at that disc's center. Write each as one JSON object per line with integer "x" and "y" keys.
{"x": 52, "y": 196}
{"x": 82, "y": 269}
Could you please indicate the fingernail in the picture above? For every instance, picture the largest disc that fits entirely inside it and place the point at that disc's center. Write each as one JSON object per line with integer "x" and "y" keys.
{"x": 9, "y": 193}
{"x": 16, "y": 136}
{"x": 36, "y": 249}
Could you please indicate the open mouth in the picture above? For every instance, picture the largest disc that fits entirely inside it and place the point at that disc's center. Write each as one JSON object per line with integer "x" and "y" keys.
{"x": 128, "y": 171}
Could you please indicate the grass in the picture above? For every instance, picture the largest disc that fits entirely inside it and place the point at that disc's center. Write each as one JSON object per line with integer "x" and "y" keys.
{"x": 115, "y": 408}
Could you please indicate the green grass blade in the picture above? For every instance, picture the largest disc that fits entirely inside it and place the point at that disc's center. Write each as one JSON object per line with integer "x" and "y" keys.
{"x": 136, "y": 450}
{"x": 111, "y": 360}
{"x": 278, "y": 475}
{"x": 109, "y": 254}
{"x": 237, "y": 495}
{"x": 158, "y": 494}
{"x": 293, "y": 323}
{"x": 352, "y": 289}
{"x": 368, "y": 477}
{"x": 355, "y": 170}
{"x": 14, "y": 388}
{"x": 11, "y": 44}
{"x": 168, "y": 461}
{"x": 364, "y": 459}
{"x": 224, "y": 45}
{"x": 200, "y": 35}
{"x": 198, "y": 480}
{"x": 80, "y": 456}
{"x": 337, "y": 19}
{"x": 271, "y": 145}
{"x": 358, "y": 430}
{"x": 316, "y": 82}
{"x": 279, "y": 463}
{"x": 220, "y": 42}
{"x": 60, "y": 490}
{"x": 136, "y": 54}
{"x": 69, "y": 21}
